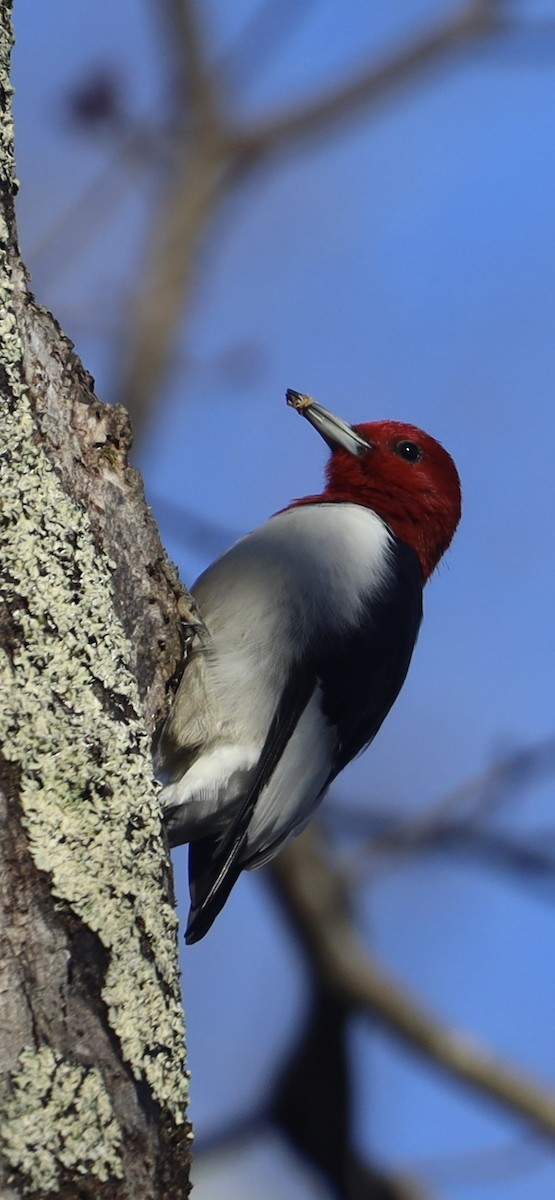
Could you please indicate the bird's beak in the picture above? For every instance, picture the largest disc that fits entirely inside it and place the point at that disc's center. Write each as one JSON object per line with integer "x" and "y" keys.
{"x": 333, "y": 430}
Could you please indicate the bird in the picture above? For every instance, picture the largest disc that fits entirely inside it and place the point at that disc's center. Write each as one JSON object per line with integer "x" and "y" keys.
{"x": 305, "y": 633}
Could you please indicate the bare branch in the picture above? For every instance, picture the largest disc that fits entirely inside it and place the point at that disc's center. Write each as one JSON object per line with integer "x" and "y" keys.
{"x": 529, "y": 863}
{"x": 262, "y": 35}
{"x": 372, "y": 84}
{"x": 315, "y": 897}
{"x": 464, "y": 805}
{"x": 56, "y": 250}
{"x": 525, "y": 860}
{"x": 488, "y": 1165}
{"x": 190, "y": 197}
{"x": 212, "y": 158}
{"x": 197, "y": 91}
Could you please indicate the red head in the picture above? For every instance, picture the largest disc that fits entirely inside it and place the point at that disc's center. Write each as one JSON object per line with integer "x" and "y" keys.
{"x": 397, "y": 470}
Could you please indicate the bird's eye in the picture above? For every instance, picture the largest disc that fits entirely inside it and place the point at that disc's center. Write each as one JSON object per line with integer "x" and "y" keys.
{"x": 410, "y": 451}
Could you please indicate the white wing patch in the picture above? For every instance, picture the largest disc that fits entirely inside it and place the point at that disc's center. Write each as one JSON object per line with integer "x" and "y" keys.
{"x": 216, "y": 778}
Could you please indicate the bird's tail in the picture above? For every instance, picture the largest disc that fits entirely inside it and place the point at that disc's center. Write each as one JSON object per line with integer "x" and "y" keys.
{"x": 212, "y": 875}
{"x": 215, "y": 862}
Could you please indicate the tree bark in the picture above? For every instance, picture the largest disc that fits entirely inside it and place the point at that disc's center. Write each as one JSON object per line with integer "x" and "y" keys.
{"x": 93, "y": 1087}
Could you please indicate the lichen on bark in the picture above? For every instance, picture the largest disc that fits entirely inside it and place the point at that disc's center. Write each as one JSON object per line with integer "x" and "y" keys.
{"x": 58, "y": 1120}
{"x": 70, "y": 717}
{"x": 76, "y": 718}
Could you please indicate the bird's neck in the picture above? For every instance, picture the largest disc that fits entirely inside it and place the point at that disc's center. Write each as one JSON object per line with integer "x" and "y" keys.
{"x": 392, "y": 511}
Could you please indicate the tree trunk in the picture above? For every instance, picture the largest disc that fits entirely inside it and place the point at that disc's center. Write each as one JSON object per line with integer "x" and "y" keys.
{"x": 94, "y": 1087}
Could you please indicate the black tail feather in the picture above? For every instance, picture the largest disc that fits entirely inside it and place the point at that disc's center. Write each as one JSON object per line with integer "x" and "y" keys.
{"x": 210, "y": 883}
{"x": 216, "y": 862}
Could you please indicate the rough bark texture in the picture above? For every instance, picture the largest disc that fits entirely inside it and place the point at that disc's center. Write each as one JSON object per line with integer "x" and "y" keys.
{"x": 94, "y": 1088}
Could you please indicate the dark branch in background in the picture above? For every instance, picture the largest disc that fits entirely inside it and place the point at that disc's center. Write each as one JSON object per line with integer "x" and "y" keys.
{"x": 314, "y": 895}
{"x": 312, "y": 1105}
{"x": 488, "y": 1165}
{"x": 196, "y": 84}
{"x": 485, "y": 794}
{"x": 261, "y": 38}
{"x": 524, "y": 861}
{"x": 456, "y": 823}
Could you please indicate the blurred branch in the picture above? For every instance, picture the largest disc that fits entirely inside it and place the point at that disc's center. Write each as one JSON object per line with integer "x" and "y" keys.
{"x": 527, "y": 41}
{"x": 312, "y": 1106}
{"x": 196, "y": 82}
{"x": 191, "y": 194}
{"x": 485, "y": 1166}
{"x": 371, "y": 84}
{"x": 212, "y": 156}
{"x": 205, "y": 156}
{"x": 528, "y": 862}
{"x": 314, "y": 894}
{"x": 191, "y": 528}
{"x": 452, "y": 821}
{"x": 261, "y": 37}
{"x": 460, "y": 808}
{"x": 367, "y": 1183}
{"x": 94, "y": 205}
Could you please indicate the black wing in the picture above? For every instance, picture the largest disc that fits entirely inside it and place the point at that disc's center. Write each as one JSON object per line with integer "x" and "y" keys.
{"x": 362, "y": 680}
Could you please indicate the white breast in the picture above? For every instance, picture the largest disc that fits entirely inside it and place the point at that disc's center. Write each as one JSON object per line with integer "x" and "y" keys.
{"x": 306, "y": 573}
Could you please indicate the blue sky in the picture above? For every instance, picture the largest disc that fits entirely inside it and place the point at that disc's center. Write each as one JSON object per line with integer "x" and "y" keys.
{"x": 403, "y": 268}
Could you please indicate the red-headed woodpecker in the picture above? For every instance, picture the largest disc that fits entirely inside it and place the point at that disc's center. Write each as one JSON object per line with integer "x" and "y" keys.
{"x": 309, "y": 624}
